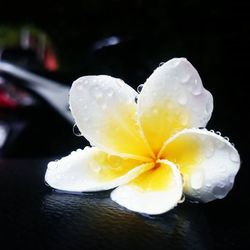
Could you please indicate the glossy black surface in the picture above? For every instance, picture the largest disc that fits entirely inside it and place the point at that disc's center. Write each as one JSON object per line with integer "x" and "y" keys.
{"x": 34, "y": 217}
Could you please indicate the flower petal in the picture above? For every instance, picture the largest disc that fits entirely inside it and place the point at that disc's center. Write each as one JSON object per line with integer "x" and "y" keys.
{"x": 105, "y": 112}
{"x": 173, "y": 98}
{"x": 92, "y": 170}
{"x": 207, "y": 161}
{"x": 153, "y": 192}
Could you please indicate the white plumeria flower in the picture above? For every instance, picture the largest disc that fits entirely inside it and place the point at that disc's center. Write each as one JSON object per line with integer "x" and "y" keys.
{"x": 151, "y": 151}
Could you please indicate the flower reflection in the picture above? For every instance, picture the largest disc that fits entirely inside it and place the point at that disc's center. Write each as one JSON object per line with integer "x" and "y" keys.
{"x": 98, "y": 222}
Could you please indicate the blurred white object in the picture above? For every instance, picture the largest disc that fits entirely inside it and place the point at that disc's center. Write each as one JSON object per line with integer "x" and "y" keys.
{"x": 53, "y": 92}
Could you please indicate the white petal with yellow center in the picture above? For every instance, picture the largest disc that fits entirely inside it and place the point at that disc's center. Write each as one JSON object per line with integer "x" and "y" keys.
{"x": 207, "y": 161}
{"x": 154, "y": 192}
{"x": 92, "y": 170}
{"x": 105, "y": 112}
{"x": 173, "y": 98}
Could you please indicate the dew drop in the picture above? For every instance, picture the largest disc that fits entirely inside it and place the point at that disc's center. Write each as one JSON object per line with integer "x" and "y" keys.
{"x": 155, "y": 111}
{"x": 139, "y": 88}
{"x": 209, "y": 149}
{"x": 76, "y": 130}
{"x": 182, "y": 98}
{"x": 185, "y": 78}
{"x": 196, "y": 180}
{"x": 226, "y": 138}
{"x": 175, "y": 63}
{"x": 234, "y": 156}
{"x": 196, "y": 88}
{"x": 222, "y": 169}
{"x": 184, "y": 119}
{"x": 182, "y": 199}
{"x": 220, "y": 191}
{"x": 218, "y": 132}
{"x": 96, "y": 168}
{"x": 110, "y": 92}
{"x": 52, "y": 165}
{"x": 104, "y": 106}
{"x": 208, "y": 185}
{"x": 161, "y": 63}
{"x": 96, "y": 93}
{"x": 212, "y": 131}
{"x": 136, "y": 99}
{"x": 231, "y": 179}
{"x": 79, "y": 87}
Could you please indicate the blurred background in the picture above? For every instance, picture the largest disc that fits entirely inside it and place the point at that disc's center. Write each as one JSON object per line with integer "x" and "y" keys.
{"x": 45, "y": 45}
{"x": 63, "y": 40}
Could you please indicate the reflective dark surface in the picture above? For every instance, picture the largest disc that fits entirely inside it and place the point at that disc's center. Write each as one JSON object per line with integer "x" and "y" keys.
{"x": 34, "y": 217}
{"x": 126, "y": 39}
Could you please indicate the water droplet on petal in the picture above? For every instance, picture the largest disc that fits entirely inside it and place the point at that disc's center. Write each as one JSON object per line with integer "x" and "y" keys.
{"x": 104, "y": 106}
{"x": 226, "y": 138}
{"x": 196, "y": 88}
{"x": 231, "y": 179}
{"x": 220, "y": 191}
{"x": 234, "y": 156}
{"x": 139, "y": 88}
{"x": 196, "y": 180}
{"x": 136, "y": 99}
{"x": 155, "y": 111}
{"x": 212, "y": 131}
{"x": 76, "y": 130}
{"x": 218, "y": 132}
{"x": 161, "y": 63}
{"x": 182, "y": 98}
{"x": 52, "y": 165}
{"x": 79, "y": 87}
{"x": 175, "y": 63}
{"x": 182, "y": 199}
{"x": 209, "y": 149}
{"x": 208, "y": 185}
{"x": 96, "y": 168}
{"x": 98, "y": 95}
{"x": 185, "y": 78}
{"x": 184, "y": 119}
{"x": 110, "y": 92}
{"x": 222, "y": 168}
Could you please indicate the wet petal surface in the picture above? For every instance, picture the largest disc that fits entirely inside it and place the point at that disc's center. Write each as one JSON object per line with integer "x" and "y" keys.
{"x": 207, "y": 161}
{"x": 173, "y": 98}
{"x": 92, "y": 170}
{"x": 154, "y": 192}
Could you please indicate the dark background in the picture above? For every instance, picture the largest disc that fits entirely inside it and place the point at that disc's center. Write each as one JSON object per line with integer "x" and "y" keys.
{"x": 214, "y": 36}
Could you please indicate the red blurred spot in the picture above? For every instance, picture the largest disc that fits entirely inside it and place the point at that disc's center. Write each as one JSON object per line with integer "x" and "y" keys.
{"x": 6, "y": 101}
{"x": 50, "y": 60}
